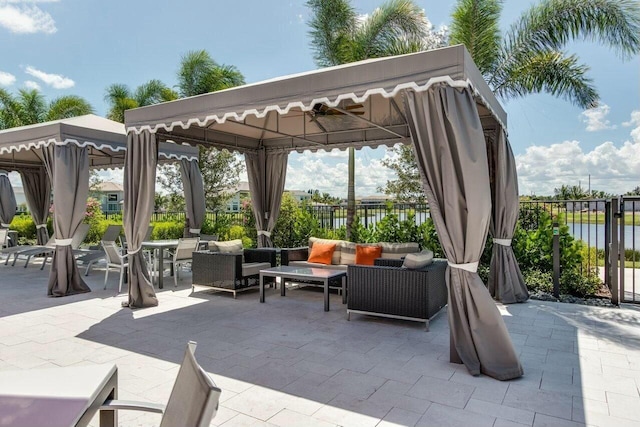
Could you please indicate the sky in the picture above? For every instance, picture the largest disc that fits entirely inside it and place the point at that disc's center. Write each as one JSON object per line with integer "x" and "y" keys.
{"x": 82, "y": 46}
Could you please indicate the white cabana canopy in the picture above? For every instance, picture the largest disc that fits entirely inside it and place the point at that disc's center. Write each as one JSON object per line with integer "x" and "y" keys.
{"x": 105, "y": 140}
{"x": 57, "y": 156}
{"x": 357, "y": 104}
{"x": 436, "y": 100}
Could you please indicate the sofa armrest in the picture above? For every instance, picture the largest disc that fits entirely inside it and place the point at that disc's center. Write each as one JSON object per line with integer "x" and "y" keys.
{"x": 294, "y": 254}
{"x": 260, "y": 255}
{"x": 385, "y": 262}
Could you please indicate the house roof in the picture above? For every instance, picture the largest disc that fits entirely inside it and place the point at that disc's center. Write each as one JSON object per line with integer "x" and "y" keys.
{"x": 109, "y": 187}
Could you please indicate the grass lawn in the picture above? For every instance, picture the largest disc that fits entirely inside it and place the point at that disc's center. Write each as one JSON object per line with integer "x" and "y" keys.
{"x": 598, "y": 217}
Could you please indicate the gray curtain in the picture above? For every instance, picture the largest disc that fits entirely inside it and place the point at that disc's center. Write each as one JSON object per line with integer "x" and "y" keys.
{"x": 452, "y": 159}
{"x": 140, "y": 164}
{"x": 506, "y": 283}
{"x": 37, "y": 191}
{"x": 70, "y": 190}
{"x": 193, "y": 195}
{"x": 7, "y": 200}
{"x": 267, "y": 172}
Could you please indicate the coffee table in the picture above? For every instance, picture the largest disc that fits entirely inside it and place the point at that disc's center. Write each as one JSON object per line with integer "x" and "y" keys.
{"x": 310, "y": 274}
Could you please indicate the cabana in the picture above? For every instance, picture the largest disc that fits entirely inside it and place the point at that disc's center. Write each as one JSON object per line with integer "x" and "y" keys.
{"x": 435, "y": 100}
{"x": 57, "y": 156}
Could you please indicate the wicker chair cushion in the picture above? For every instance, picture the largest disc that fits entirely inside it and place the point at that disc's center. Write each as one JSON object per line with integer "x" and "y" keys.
{"x": 419, "y": 260}
{"x": 253, "y": 268}
{"x": 230, "y": 247}
{"x": 398, "y": 250}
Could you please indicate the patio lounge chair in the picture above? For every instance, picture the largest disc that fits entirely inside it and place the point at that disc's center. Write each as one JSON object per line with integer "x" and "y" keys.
{"x": 7, "y": 252}
{"x": 193, "y": 400}
{"x": 182, "y": 255}
{"x": 114, "y": 259}
{"x": 4, "y": 238}
{"x": 47, "y": 251}
{"x": 94, "y": 254}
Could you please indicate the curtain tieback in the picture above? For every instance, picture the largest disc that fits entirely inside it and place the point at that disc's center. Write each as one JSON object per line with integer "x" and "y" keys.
{"x": 5, "y": 225}
{"x": 134, "y": 252}
{"x": 64, "y": 242}
{"x": 503, "y": 242}
{"x": 194, "y": 230}
{"x": 264, "y": 233}
{"x": 39, "y": 226}
{"x": 471, "y": 267}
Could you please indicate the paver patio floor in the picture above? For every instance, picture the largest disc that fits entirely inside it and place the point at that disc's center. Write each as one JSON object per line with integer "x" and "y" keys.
{"x": 289, "y": 363}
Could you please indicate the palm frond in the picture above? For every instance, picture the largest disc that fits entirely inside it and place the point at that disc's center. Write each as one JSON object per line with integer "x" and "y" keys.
{"x": 116, "y": 91}
{"x": 9, "y": 110}
{"x": 551, "y": 24}
{"x": 476, "y": 24}
{"x": 396, "y": 24}
{"x": 552, "y": 72}
{"x": 332, "y": 22}
{"x": 33, "y": 106}
{"x": 195, "y": 67}
{"x": 151, "y": 92}
{"x": 224, "y": 77}
{"x": 68, "y": 106}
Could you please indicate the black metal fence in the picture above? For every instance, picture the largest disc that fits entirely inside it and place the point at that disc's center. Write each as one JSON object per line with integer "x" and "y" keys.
{"x": 593, "y": 222}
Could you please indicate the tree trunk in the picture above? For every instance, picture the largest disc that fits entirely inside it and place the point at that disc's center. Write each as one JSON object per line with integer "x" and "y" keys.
{"x": 351, "y": 193}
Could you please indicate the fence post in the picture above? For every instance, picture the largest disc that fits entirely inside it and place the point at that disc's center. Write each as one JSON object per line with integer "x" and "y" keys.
{"x": 556, "y": 260}
{"x": 607, "y": 243}
{"x": 366, "y": 216}
{"x": 614, "y": 255}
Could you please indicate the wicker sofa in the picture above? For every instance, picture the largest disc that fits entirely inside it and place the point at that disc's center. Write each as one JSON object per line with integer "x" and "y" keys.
{"x": 388, "y": 290}
{"x": 344, "y": 254}
{"x": 230, "y": 272}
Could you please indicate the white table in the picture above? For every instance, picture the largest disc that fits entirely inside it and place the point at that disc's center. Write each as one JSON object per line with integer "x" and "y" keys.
{"x": 320, "y": 275}
{"x": 57, "y": 397}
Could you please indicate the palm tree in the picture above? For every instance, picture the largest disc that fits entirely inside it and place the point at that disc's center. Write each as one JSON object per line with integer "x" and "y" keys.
{"x": 339, "y": 35}
{"x": 529, "y": 58}
{"x": 30, "y": 106}
{"x": 121, "y": 98}
{"x": 199, "y": 73}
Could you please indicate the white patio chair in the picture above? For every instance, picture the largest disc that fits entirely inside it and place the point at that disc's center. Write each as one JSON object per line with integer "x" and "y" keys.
{"x": 193, "y": 401}
{"x": 4, "y": 238}
{"x": 182, "y": 255}
{"x": 114, "y": 260}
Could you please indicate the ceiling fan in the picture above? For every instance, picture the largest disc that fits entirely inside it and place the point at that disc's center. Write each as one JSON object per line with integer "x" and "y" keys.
{"x": 322, "y": 110}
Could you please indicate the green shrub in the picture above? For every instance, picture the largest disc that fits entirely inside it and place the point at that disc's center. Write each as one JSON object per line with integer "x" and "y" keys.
{"x": 537, "y": 280}
{"x": 25, "y": 227}
{"x": 574, "y": 283}
{"x": 167, "y": 230}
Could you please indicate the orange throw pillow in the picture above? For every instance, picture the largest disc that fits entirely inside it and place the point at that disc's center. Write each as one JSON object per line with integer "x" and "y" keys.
{"x": 365, "y": 255}
{"x": 321, "y": 253}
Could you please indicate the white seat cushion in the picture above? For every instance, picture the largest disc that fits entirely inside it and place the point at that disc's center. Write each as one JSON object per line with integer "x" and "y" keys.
{"x": 253, "y": 268}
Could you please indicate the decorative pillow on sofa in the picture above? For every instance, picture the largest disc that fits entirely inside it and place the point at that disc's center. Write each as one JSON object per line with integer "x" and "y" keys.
{"x": 232, "y": 246}
{"x": 398, "y": 250}
{"x": 321, "y": 253}
{"x": 366, "y": 254}
{"x": 335, "y": 258}
{"x": 419, "y": 260}
{"x": 348, "y": 255}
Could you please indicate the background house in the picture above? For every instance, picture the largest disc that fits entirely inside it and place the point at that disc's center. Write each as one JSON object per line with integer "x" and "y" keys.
{"x": 110, "y": 194}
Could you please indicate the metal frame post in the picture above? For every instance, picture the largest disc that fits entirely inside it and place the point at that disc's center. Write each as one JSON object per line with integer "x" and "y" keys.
{"x": 556, "y": 260}
{"x": 614, "y": 253}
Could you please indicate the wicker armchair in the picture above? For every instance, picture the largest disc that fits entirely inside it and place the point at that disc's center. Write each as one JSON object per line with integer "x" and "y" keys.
{"x": 230, "y": 272}
{"x": 387, "y": 290}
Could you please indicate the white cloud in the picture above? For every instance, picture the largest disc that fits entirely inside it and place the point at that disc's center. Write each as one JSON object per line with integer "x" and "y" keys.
{"x": 328, "y": 172}
{"x": 22, "y": 18}
{"x": 56, "y": 81}
{"x": 634, "y": 121}
{"x": 7, "y": 79}
{"x": 30, "y": 84}
{"x": 613, "y": 169}
{"x": 596, "y": 118}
